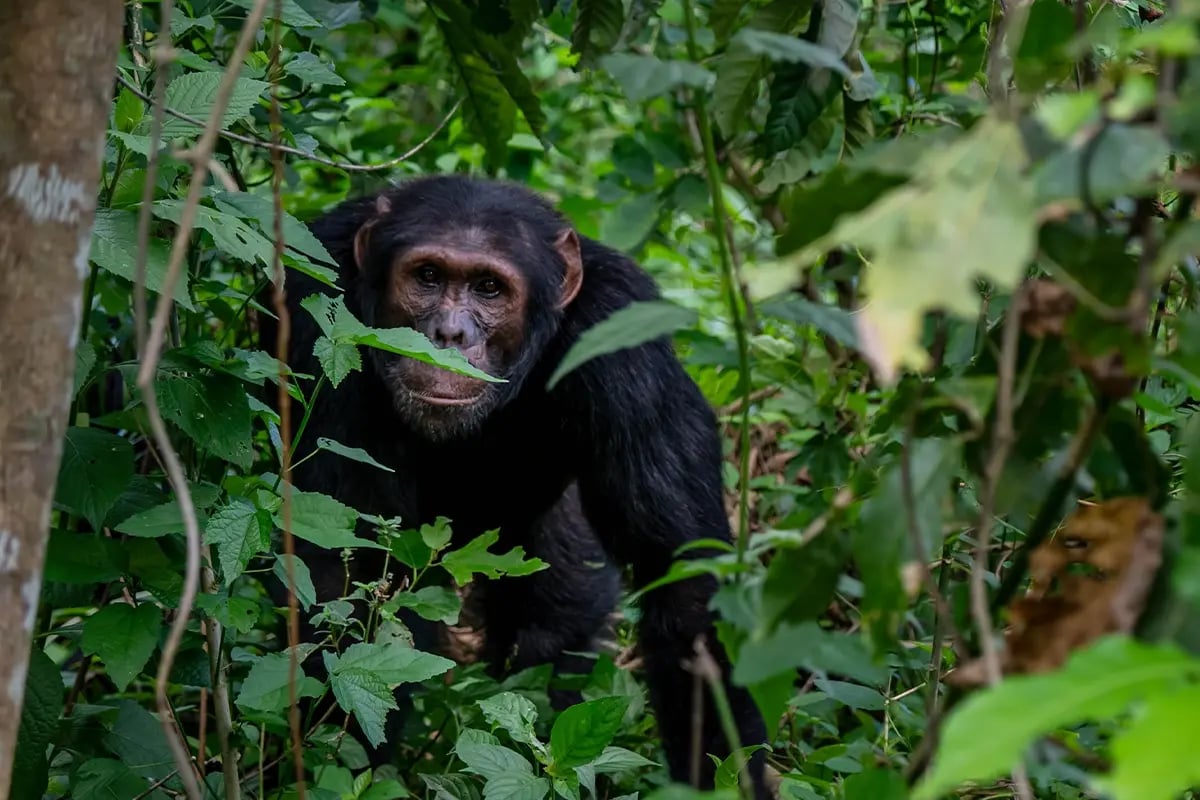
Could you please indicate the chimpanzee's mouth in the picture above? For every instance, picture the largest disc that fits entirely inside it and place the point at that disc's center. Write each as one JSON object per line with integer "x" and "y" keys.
{"x": 448, "y": 400}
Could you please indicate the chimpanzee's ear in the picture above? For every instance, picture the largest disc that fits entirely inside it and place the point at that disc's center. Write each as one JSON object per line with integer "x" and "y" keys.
{"x": 362, "y": 238}
{"x": 567, "y": 245}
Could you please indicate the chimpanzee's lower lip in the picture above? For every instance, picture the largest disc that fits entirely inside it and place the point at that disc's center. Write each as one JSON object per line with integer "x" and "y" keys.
{"x": 443, "y": 400}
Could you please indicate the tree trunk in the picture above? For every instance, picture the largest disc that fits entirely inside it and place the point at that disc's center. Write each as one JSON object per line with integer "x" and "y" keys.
{"x": 57, "y": 65}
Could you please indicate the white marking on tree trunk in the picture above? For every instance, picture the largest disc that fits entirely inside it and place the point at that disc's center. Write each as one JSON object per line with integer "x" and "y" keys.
{"x": 10, "y": 549}
{"x": 49, "y": 197}
{"x": 16, "y": 682}
{"x": 29, "y": 593}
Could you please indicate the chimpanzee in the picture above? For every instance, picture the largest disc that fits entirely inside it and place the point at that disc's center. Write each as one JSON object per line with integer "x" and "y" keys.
{"x": 617, "y": 466}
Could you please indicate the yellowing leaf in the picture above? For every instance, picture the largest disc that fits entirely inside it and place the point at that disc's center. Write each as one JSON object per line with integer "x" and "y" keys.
{"x": 968, "y": 213}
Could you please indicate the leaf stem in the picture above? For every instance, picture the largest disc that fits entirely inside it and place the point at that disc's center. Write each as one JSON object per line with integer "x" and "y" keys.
{"x": 729, "y": 284}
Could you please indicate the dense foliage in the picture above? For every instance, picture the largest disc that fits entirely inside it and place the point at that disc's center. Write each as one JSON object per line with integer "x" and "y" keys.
{"x": 945, "y": 300}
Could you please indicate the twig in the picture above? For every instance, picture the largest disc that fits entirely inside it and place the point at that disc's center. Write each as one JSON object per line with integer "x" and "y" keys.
{"x": 285, "y": 407}
{"x": 222, "y": 708}
{"x": 279, "y": 147}
{"x": 708, "y": 668}
{"x": 145, "y": 380}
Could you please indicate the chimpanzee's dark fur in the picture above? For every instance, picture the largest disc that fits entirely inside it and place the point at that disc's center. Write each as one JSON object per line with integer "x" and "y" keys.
{"x": 621, "y": 459}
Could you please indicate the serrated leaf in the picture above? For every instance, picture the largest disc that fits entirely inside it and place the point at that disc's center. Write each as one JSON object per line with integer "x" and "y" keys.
{"x": 516, "y": 786}
{"x": 341, "y": 326}
{"x": 213, "y": 411}
{"x": 633, "y": 325}
{"x": 515, "y": 713}
{"x": 41, "y": 704}
{"x": 1097, "y": 682}
{"x": 85, "y": 362}
{"x": 312, "y": 70}
{"x": 237, "y": 532}
{"x": 296, "y": 235}
{"x": 320, "y": 519}
{"x": 337, "y": 360}
{"x": 96, "y": 467}
{"x": 582, "y": 731}
{"x": 123, "y": 637}
{"x": 195, "y": 93}
{"x": 364, "y": 676}
{"x": 473, "y": 557}
{"x": 114, "y": 248}
{"x": 489, "y": 758}
{"x": 266, "y": 685}
{"x": 431, "y": 602}
{"x": 230, "y": 234}
{"x": 643, "y": 77}
{"x": 451, "y": 787}
{"x": 969, "y": 214}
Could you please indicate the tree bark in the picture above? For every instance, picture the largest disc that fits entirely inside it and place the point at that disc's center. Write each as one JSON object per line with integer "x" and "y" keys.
{"x": 57, "y": 66}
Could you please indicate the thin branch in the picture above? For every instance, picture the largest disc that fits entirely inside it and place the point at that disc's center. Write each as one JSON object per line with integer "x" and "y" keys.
{"x": 279, "y": 147}
{"x": 150, "y": 357}
{"x": 222, "y": 709}
{"x": 285, "y": 408}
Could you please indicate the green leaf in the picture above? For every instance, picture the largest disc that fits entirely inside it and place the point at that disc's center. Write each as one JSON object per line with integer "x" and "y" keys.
{"x": 296, "y": 235}
{"x": 631, "y": 222}
{"x": 106, "y": 779}
{"x": 123, "y": 637}
{"x": 516, "y": 786}
{"x": 292, "y": 13}
{"x": 484, "y": 755}
{"x": 114, "y": 248}
{"x": 352, "y": 453}
{"x": 85, "y": 362}
{"x": 41, "y": 705}
{"x": 306, "y": 593}
{"x": 364, "y": 676}
{"x": 1126, "y": 159}
{"x": 597, "y": 28}
{"x": 876, "y": 784}
{"x": 801, "y": 581}
{"x": 809, "y": 646}
{"x": 451, "y": 787}
{"x": 230, "y": 234}
{"x": 96, "y": 467}
{"x": 1155, "y": 755}
{"x": 195, "y": 93}
{"x": 160, "y": 520}
{"x": 437, "y": 535}
{"x": 814, "y": 208}
{"x": 266, "y": 685}
{"x": 618, "y": 759}
{"x": 633, "y": 325}
{"x": 82, "y": 558}
{"x": 337, "y": 360}
{"x": 238, "y": 532}
{"x": 515, "y": 713}
{"x": 582, "y": 731}
{"x": 790, "y": 50}
{"x": 431, "y": 602}
{"x": 312, "y": 70}
{"x": 1097, "y": 682}
{"x": 473, "y": 557}
{"x": 212, "y": 410}
{"x": 969, "y": 214}
{"x": 642, "y": 76}
{"x": 834, "y": 322}
{"x": 320, "y": 519}
{"x": 341, "y": 326}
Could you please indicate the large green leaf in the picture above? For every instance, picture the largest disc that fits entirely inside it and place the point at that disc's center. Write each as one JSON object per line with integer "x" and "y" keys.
{"x": 230, "y": 234}
{"x": 195, "y": 93}
{"x": 239, "y": 533}
{"x": 114, "y": 248}
{"x": 96, "y": 467}
{"x": 320, "y": 519}
{"x": 635, "y": 324}
{"x": 212, "y": 410}
{"x": 484, "y": 755}
{"x": 1155, "y": 756}
{"x": 124, "y": 637}
{"x": 515, "y": 713}
{"x": 597, "y": 28}
{"x": 473, "y": 557}
{"x": 644, "y": 76}
{"x": 583, "y": 731}
{"x": 40, "y": 708}
{"x": 1096, "y": 683}
{"x": 266, "y": 685}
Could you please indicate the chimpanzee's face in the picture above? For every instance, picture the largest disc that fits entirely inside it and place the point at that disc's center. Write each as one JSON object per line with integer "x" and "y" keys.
{"x": 460, "y": 295}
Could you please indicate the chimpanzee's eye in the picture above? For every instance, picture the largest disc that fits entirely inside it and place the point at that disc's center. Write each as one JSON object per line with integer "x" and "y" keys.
{"x": 427, "y": 274}
{"x": 488, "y": 287}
